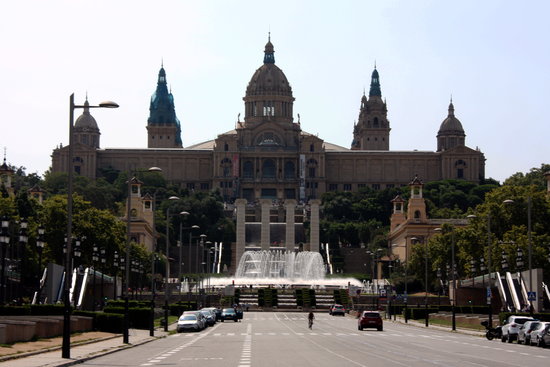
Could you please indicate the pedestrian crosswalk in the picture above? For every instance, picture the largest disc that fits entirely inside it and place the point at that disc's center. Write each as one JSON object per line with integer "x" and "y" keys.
{"x": 318, "y": 333}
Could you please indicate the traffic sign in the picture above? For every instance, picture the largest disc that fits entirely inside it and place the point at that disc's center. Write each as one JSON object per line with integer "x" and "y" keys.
{"x": 532, "y": 296}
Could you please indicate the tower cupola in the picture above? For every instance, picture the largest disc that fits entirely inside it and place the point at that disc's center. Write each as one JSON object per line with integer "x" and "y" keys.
{"x": 372, "y": 131}
{"x": 163, "y": 126}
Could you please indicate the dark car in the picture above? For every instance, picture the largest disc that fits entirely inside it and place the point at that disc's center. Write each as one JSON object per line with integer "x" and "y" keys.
{"x": 370, "y": 319}
{"x": 217, "y": 312}
{"x": 229, "y": 314}
{"x": 337, "y": 310}
{"x": 209, "y": 316}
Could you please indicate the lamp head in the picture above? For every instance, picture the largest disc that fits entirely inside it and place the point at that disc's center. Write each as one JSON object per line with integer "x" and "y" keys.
{"x": 108, "y": 104}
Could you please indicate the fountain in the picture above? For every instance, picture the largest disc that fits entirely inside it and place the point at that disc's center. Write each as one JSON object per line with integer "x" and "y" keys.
{"x": 280, "y": 268}
{"x": 274, "y": 264}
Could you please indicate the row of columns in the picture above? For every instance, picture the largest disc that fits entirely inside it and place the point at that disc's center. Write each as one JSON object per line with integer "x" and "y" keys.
{"x": 290, "y": 232}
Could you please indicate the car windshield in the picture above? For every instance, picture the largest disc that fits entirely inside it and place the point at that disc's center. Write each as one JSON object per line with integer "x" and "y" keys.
{"x": 521, "y": 321}
{"x": 371, "y": 314}
{"x": 188, "y": 317}
{"x": 228, "y": 310}
{"x": 339, "y": 307}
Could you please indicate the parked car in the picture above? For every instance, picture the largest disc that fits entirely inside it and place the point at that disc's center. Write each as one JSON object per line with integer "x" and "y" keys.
{"x": 229, "y": 314}
{"x": 192, "y": 321}
{"x": 524, "y": 334}
{"x": 543, "y": 336}
{"x": 217, "y": 311}
{"x": 209, "y": 315}
{"x": 511, "y": 326}
{"x": 370, "y": 319}
{"x": 537, "y": 335}
{"x": 337, "y": 310}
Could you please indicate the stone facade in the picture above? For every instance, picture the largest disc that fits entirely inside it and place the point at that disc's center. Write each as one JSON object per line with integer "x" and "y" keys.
{"x": 268, "y": 156}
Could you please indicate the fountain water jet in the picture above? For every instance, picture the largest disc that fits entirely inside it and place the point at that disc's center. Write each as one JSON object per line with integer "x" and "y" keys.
{"x": 305, "y": 265}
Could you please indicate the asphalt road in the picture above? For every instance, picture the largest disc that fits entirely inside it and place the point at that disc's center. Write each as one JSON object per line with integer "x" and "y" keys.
{"x": 283, "y": 339}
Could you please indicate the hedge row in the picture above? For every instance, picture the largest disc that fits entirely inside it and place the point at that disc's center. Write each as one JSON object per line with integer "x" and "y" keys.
{"x": 139, "y": 317}
{"x": 267, "y": 297}
{"x": 34, "y": 310}
{"x": 107, "y": 322}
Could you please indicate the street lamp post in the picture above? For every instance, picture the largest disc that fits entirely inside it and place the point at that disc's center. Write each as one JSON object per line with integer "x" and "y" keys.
{"x": 126, "y": 262}
{"x": 167, "y": 253}
{"x": 115, "y": 266}
{"x": 489, "y": 258}
{"x": 529, "y": 250}
{"x": 95, "y": 259}
{"x": 103, "y": 260}
{"x": 453, "y": 277}
{"x": 184, "y": 214}
{"x": 39, "y": 248}
{"x": 4, "y": 242}
{"x": 23, "y": 240}
{"x": 66, "y": 347}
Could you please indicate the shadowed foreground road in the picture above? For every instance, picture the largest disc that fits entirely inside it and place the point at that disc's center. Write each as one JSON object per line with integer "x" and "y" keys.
{"x": 283, "y": 339}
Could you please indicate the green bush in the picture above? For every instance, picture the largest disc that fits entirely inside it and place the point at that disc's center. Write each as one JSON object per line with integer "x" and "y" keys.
{"x": 131, "y": 303}
{"x": 139, "y": 316}
{"x": 15, "y": 310}
{"x": 41, "y": 310}
{"x": 107, "y": 322}
{"x": 299, "y": 297}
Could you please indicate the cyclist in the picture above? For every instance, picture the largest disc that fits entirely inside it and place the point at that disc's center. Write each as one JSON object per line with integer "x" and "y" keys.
{"x": 310, "y": 318}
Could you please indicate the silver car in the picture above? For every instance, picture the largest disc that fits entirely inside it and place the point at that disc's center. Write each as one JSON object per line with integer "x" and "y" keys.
{"x": 524, "y": 334}
{"x": 192, "y": 321}
{"x": 538, "y": 333}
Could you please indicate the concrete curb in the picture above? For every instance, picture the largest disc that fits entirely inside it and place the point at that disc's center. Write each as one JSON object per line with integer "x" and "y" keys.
{"x": 53, "y": 349}
{"x": 110, "y": 351}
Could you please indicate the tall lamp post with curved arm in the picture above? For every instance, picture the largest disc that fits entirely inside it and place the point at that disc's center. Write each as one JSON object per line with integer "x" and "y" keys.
{"x": 166, "y": 283}
{"x": 66, "y": 346}
{"x": 126, "y": 326}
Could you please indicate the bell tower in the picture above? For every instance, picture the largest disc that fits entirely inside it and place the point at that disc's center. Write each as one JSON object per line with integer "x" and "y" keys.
{"x": 163, "y": 126}
{"x": 372, "y": 131}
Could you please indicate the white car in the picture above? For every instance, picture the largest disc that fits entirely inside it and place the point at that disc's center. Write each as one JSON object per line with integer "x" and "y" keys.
{"x": 192, "y": 321}
{"x": 511, "y": 326}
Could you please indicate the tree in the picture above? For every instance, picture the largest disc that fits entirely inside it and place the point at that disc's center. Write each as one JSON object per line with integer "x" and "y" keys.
{"x": 534, "y": 177}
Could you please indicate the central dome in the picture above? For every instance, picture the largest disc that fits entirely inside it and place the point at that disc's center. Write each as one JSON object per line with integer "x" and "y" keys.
{"x": 269, "y": 79}
{"x": 86, "y": 121}
{"x": 451, "y": 125}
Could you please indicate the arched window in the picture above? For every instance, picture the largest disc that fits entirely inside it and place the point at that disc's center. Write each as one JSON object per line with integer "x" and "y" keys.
{"x": 133, "y": 213}
{"x": 376, "y": 124}
{"x": 417, "y": 214}
{"x": 290, "y": 170}
{"x": 248, "y": 169}
{"x": 311, "y": 148}
{"x": 268, "y": 169}
{"x": 226, "y": 147}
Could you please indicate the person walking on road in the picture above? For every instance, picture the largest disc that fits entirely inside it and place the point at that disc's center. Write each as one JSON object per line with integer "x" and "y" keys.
{"x": 310, "y": 319}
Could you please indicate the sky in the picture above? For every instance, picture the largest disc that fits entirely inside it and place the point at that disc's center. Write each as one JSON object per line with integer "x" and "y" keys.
{"x": 491, "y": 57}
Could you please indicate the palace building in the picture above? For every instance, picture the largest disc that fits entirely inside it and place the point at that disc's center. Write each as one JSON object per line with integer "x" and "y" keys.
{"x": 268, "y": 156}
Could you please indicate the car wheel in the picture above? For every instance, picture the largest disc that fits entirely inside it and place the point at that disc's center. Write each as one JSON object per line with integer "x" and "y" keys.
{"x": 380, "y": 328}
{"x": 509, "y": 339}
{"x": 222, "y": 320}
{"x": 503, "y": 338}
{"x": 360, "y": 328}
